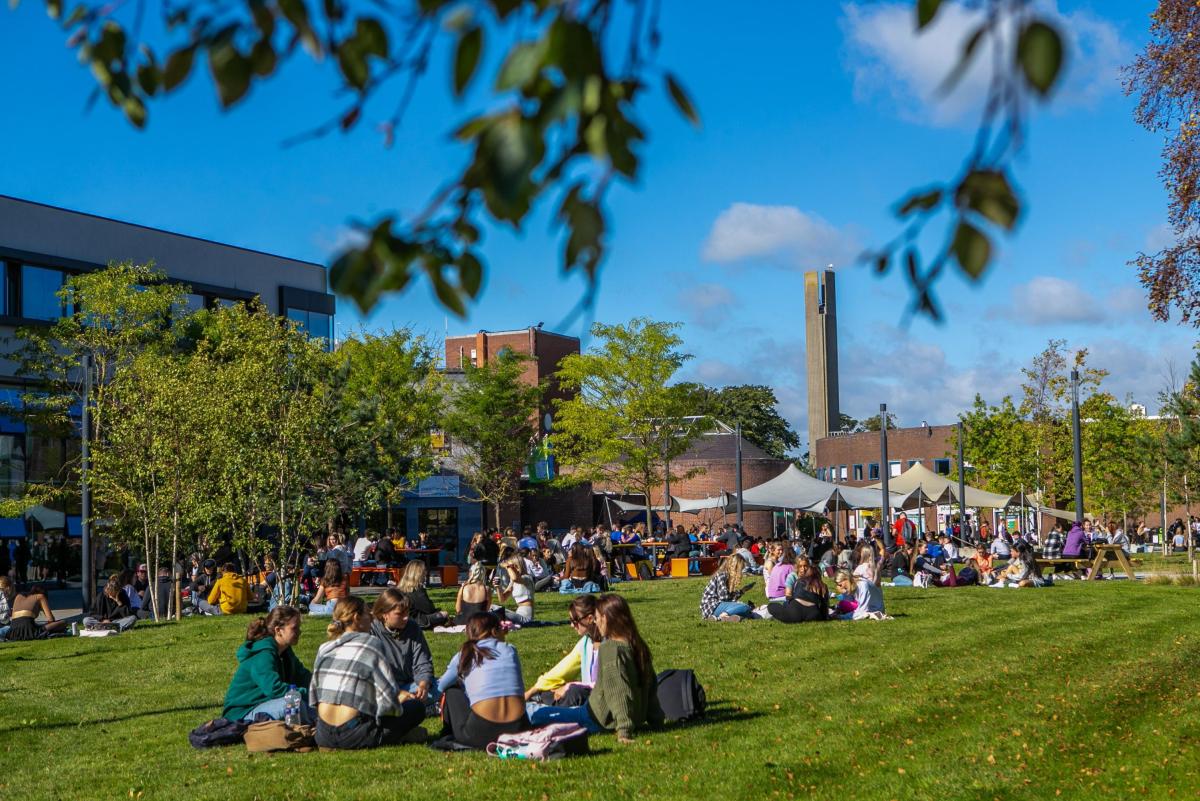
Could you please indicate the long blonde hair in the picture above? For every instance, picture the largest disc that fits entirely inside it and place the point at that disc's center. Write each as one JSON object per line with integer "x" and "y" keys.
{"x": 345, "y": 613}
{"x": 414, "y": 576}
{"x": 733, "y": 568}
{"x": 846, "y": 576}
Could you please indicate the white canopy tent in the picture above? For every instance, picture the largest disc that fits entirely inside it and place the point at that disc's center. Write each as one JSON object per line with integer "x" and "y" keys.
{"x": 793, "y": 489}
{"x": 942, "y": 489}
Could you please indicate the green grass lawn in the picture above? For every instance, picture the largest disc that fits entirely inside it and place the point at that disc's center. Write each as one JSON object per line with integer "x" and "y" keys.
{"x": 1085, "y": 689}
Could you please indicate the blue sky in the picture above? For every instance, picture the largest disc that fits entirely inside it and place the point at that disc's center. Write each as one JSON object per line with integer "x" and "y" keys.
{"x": 816, "y": 118}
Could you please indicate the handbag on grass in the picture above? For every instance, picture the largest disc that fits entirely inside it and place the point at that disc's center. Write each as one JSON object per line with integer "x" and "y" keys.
{"x": 554, "y": 741}
{"x": 275, "y": 735}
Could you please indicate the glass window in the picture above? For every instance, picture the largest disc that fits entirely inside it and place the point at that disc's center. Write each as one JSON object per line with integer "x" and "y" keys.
{"x": 300, "y": 317}
{"x": 441, "y": 526}
{"x": 893, "y": 468}
{"x": 873, "y": 471}
{"x": 842, "y": 472}
{"x": 193, "y": 302}
{"x": 12, "y": 465}
{"x": 858, "y": 472}
{"x": 319, "y": 325}
{"x": 226, "y": 303}
{"x": 911, "y": 462}
{"x": 46, "y": 459}
{"x": 941, "y": 467}
{"x": 39, "y": 293}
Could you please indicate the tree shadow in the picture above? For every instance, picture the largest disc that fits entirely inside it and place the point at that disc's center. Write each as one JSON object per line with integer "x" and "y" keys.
{"x": 121, "y": 651}
{"x": 63, "y": 724}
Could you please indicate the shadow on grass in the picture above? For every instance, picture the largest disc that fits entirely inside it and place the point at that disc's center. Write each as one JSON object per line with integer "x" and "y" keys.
{"x": 716, "y": 713}
{"x": 63, "y": 724}
{"x": 122, "y": 651}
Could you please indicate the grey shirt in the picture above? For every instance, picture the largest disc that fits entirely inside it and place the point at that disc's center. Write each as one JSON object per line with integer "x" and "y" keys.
{"x": 407, "y": 653}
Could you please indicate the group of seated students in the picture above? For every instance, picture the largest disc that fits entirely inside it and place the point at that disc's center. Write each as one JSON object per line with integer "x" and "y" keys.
{"x": 796, "y": 590}
{"x": 372, "y": 681}
{"x": 21, "y": 606}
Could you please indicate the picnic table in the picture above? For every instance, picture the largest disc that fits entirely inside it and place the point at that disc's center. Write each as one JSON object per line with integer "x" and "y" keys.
{"x": 427, "y": 554}
{"x": 1104, "y": 553}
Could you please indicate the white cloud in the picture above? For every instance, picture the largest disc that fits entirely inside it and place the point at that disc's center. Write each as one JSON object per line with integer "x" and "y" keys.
{"x": 1160, "y": 237}
{"x": 706, "y": 304}
{"x": 889, "y": 58}
{"x": 781, "y": 235}
{"x": 332, "y": 242}
{"x": 1047, "y": 300}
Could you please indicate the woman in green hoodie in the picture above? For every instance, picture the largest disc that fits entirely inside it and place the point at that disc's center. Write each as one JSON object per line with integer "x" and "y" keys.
{"x": 267, "y": 668}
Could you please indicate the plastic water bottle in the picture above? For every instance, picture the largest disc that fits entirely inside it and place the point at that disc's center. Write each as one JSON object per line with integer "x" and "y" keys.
{"x": 291, "y": 706}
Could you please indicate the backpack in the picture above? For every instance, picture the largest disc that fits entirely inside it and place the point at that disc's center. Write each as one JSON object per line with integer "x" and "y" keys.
{"x": 968, "y": 575}
{"x": 554, "y": 741}
{"x": 680, "y": 695}
{"x": 275, "y": 735}
{"x": 217, "y": 732}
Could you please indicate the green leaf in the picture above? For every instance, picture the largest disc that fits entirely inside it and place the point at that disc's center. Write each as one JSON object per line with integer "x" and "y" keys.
{"x": 1040, "y": 53}
{"x": 231, "y": 73}
{"x": 681, "y": 100}
{"x": 988, "y": 193}
{"x": 135, "y": 111}
{"x": 371, "y": 37}
{"x": 148, "y": 78}
{"x": 466, "y": 58}
{"x": 524, "y": 62}
{"x": 353, "y": 64}
{"x": 971, "y": 249}
{"x": 926, "y": 11}
{"x": 53, "y": 8}
{"x": 920, "y": 200}
{"x": 179, "y": 64}
{"x": 447, "y": 295}
{"x": 263, "y": 58}
{"x": 470, "y": 273}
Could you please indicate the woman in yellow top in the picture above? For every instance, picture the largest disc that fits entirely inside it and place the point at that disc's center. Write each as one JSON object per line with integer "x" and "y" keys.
{"x": 229, "y": 596}
{"x": 558, "y": 686}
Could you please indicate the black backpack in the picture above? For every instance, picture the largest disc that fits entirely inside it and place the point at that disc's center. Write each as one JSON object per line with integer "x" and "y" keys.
{"x": 218, "y": 732}
{"x": 680, "y": 695}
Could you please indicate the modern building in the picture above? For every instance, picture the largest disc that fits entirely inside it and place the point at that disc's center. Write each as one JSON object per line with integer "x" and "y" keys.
{"x": 821, "y": 354}
{"x": 41, "y": 246}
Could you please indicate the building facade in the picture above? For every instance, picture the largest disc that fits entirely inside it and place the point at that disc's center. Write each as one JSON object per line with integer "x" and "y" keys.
{"x": 42, "y": 246}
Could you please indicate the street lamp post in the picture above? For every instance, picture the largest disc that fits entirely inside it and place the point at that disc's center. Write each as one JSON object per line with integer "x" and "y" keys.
{"x": 87, "y": 570}
{"x": 738, "y": 439}
{"x": 962, "y": 488}
{"x": 1077, "y": 447}
{"x": 886, "y": 508}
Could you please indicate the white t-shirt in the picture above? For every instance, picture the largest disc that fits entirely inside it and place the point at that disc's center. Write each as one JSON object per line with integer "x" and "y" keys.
{"x": 361, "y": 546}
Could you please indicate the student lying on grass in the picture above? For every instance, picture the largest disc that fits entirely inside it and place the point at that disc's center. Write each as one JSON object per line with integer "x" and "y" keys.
{"x": 358, "y": 700}
{"x": 483, "y": 690}
{"x": 559, "y": 686}
{"x": 625, "y": 697}
{"x": 267, "y": 667}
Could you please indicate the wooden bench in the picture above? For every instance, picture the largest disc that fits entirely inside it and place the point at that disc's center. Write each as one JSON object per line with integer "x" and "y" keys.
{"x": 1104, "y": 553}
{"x": 357, "y": 573}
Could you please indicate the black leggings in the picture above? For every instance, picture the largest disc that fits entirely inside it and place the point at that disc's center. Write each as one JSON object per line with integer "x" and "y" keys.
{"x": 365, "y": 731}
{"x": 795, "y": 612}
{"x": 460, "y": 722}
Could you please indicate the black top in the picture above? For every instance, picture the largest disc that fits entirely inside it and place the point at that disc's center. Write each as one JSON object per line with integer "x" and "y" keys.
{"x": 469, "y": 608}
{"x": 421, "y": 608}
{"x": 385, "y": 552}
{"x": 681, "y": 544}
{"x": 105, "y": 608}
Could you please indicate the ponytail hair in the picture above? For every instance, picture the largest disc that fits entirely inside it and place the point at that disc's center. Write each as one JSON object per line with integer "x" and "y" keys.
{"x": 345, "y": 613}
{"x": 263, "y": 627}
{"x": 480, "y": 626}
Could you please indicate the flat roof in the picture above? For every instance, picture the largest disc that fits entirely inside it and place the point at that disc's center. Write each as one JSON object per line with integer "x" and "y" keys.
{"x": 546, "y": 331}
{"x": 158, "y": 230}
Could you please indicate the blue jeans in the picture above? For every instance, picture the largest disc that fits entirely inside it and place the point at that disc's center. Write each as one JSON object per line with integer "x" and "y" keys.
{"x": 275, "y": 709}
{"x": 4, "y": 632}
{"x": 322, "y": 609}
{"x": 540, "y": 715}
{"x": 732, "y": 608}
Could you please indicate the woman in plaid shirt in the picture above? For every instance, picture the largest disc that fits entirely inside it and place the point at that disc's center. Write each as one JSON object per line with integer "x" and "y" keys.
{"x": 354, "y": 690}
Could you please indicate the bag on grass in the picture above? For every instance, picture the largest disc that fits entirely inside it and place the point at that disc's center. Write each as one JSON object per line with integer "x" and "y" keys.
{"x": 967, "y": 576}
{"x": 275, "y": 735}
{"x": 554, "y": 741}
{"x": 680, "y": 695}
{"x": 220, "y": 731}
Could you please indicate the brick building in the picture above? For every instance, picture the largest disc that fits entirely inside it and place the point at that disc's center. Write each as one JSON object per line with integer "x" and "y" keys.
{"x": 854, "y": 459}
{"x": 716, "y": 456}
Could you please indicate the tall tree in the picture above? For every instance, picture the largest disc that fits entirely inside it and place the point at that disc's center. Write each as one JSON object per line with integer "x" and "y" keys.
{"x": 997, "y": 445}
{"x": 626, "y": 423}
{"x": 1166, "y": 78}
{"x": 1183, "y": 443}
{"x": 493, "y": 425}
{"x": 756, "y": 408}
{"x": 388, "y": 397}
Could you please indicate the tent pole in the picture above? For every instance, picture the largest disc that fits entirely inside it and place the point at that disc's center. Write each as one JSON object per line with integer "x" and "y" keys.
{"x": 962, "y": 486}
{"x": 886, "y": 510}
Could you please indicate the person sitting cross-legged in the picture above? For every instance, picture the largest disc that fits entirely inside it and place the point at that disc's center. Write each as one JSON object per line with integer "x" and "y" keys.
{"x": 358, "y": 701}
{"x": 267, "y": 668}
{"x": 721, "y": 599}
{"x": 625, "y": 697}
{"x": 483, "y": 690}
{"x": 559, "y": 686}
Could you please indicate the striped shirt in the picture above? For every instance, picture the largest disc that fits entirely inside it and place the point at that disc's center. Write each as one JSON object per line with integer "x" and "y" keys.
{"x": 352, "y": 671}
